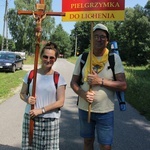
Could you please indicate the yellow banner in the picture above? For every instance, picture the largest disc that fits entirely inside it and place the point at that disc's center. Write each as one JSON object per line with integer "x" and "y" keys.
{"x": 114, "y": 15}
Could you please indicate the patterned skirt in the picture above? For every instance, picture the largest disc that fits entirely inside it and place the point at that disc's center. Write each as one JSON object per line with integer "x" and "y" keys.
{"x": 45, "y": 134}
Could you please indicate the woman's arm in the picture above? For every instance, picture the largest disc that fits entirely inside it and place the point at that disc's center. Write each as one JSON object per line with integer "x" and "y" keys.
{"x": 28, "y": 99}
{"x": 60, "y": 99}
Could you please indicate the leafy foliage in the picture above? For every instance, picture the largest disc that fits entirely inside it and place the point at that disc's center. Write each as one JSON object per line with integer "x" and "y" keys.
{"x": 11, "y": 44}
{"x": 132, "y": 35}
{"x": 61, "y": 38}
{"x": 22, "y": 26}
{"x": 82, "y": 31}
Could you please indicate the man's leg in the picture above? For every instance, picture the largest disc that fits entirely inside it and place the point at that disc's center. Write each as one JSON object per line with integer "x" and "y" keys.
{"x": 89, "y": 144}
{"x": 105, "y": 147}
{"x": 87, "y": 130}
{"x": 104, "y": 128}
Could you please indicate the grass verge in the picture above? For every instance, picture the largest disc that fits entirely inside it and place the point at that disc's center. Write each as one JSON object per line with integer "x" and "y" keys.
{"x": 72, "y": 59}
{"x": 9, "y": 83}
{"x": 30, "y": 60}
{"x": 137, "y": 93}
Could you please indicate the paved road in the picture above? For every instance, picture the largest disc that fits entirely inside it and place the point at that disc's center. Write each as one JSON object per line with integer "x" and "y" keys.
{"x": 132, "y": 131}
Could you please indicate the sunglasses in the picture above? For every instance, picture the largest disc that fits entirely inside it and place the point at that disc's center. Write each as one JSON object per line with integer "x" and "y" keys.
{"x": 50, "y": 57}
{"x": 102, "y": 37}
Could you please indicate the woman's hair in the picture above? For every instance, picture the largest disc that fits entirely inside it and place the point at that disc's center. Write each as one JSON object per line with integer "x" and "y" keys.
{"x": 50, "y": 46}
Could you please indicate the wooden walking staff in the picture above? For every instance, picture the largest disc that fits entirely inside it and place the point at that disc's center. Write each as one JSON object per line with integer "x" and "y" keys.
{"x": 91, "y": 54}
{"x": 39, "y": 16}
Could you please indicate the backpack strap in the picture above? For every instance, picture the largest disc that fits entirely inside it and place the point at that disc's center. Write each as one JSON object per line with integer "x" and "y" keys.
{"x": 30, "y": 77}
{"x": 120, "y": 95}
{"x": 83, "y": 59}
{"x": 111, "y": 60}
{"x": 56, "y": 78}
{"x": 82, "y": 63}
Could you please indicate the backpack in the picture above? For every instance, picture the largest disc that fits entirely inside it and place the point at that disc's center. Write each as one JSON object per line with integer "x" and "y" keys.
{"x": 31, "y": 76}
{"x": 119, "y": 94}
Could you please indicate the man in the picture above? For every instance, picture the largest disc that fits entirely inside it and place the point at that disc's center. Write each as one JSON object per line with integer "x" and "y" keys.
{"x": 101, "y": 94}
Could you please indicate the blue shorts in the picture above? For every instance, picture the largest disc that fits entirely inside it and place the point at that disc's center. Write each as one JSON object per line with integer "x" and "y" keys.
{"x": 102, "y": 123}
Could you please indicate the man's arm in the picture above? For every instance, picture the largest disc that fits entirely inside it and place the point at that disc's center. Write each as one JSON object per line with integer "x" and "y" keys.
{"x": 86, "y": 95}
{"x": 76, "y": 88}
{"x": 118, "y": 85}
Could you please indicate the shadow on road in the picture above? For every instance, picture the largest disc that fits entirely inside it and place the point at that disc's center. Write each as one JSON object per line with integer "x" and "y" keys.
{"x": 126, "y": 126}
{"x": 131, "y": 130}
{"x": 69, "y": 126}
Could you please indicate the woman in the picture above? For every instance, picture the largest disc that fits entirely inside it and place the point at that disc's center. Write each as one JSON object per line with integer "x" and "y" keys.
{"x": 47, "y": 104}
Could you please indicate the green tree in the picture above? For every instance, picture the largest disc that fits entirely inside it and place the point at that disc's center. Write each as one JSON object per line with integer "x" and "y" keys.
{"x": 147, "y": 7}
{"x": 11, "y": 45}
{"x": 62, "y": 39}
{"x": 82, "y": 33}
{"x": 0, "y": 41}
{"x": 22, "y": 27}
{"x": 131, "y": 34}
{"x": 134, "y": 36}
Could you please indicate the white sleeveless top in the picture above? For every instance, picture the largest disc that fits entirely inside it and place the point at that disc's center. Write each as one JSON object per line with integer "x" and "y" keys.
{"x": 45, "y": 93}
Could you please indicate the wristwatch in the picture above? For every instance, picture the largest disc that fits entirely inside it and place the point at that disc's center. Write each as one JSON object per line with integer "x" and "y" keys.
{"x": 43, "y": 110}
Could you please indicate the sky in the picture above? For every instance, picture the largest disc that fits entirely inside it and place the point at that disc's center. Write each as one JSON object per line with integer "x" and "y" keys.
{"x": 57, "y": 7}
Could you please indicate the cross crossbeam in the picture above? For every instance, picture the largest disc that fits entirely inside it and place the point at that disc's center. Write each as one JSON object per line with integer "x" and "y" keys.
{"x": 22, "y": 12}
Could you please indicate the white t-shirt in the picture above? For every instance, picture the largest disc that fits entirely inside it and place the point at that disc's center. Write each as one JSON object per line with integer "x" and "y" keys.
{"x": 104, "y": 97}
{"x": 45, "y": 93}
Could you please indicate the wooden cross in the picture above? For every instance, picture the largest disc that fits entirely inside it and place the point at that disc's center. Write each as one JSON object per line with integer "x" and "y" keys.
{"x": 39, "y": 16}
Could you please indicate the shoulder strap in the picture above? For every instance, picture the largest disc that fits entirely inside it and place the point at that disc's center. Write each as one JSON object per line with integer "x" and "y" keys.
{"x": 82, "y": 63}
{"x": 120, "y": 95}
{"x": 111, "y": 60}
{"x": 83, "y": 59}
{"x": 56, "y": 78}
{"x": 30, "y": 77}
